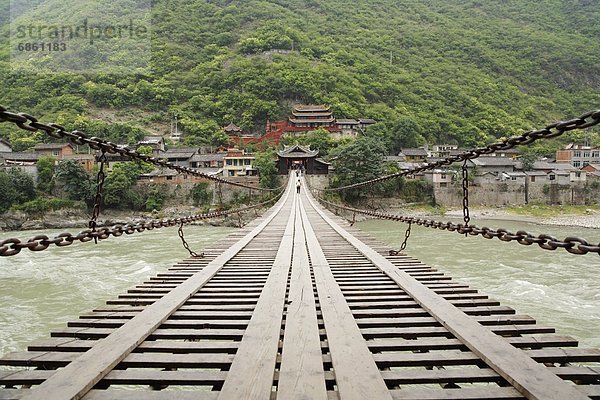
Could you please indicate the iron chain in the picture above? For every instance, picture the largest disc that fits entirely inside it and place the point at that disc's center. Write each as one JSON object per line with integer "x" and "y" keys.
{"x": 185, "y": 243}
{"x": 556, "y": 129}
{"x": 465, "y": 188}
{"x": 13, "y": 246}
{"x": 99, "y": 186}
{"x": 404, "y": 243}
{"x": 30, "y": 123}
{"x": 572, "y": 244}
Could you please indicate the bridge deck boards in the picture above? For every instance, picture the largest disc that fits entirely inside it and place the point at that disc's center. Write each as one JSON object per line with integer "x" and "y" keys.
{"x": 301, "y": 305}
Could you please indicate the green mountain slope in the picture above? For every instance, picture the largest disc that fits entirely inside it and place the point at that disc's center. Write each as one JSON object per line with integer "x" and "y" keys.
{"x": 455, "y": 70}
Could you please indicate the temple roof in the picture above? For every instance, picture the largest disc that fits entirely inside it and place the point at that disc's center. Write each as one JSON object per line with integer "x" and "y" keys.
{"x": 232, "y": 128}
{"x": 311, "y": 108}
{"x": 311, "y": 114}
{"x": 314, "y": 121}
{"x": 297, "y": 151}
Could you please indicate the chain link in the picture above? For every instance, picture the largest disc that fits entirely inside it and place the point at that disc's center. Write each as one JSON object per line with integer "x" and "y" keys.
{"x": 13, "y": 246}
{"x": 186, "y": 245}
{"x": 100, "y": 178}
{"x": 572, "y": 244}
{"x": 403, "y": 246}
{"x": 465, "y": 187}
{"x": 556, "y": 129}
{"x": 30, "y": 123}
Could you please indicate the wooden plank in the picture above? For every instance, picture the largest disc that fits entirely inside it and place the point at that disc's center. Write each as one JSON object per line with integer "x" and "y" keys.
{"x": 251, "y": 373}
{"x": 491, "y": 392}
{"x": 357, "y": 375}
{"x": 76, "y": 379}
{"x": 114, "y": 394}
{"x": 532, "y": 379}
{"x": 301, "y": 374}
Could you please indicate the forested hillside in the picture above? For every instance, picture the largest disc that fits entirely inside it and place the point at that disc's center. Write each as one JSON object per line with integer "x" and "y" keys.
{"x": 463, "y": 71}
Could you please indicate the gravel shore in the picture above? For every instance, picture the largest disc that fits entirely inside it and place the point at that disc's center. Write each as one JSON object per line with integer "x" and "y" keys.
{"x": 590, "y": 220}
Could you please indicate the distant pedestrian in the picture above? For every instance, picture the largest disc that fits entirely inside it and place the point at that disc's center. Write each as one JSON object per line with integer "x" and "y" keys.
{"x": 298, "y": 186}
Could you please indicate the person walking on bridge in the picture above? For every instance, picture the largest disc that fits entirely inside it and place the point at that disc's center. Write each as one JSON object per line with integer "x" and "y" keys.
{"x": 298, "y": 186}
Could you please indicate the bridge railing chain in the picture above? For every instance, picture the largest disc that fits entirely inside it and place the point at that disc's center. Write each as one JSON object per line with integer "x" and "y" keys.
{"x": 13, "y": 246}
{"x": 30, "y": 123}
{"x": 556, "y": 129}
{"x": 572, "y": 244}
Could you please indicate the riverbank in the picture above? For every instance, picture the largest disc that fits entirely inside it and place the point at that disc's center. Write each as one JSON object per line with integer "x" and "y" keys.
{"x": 587, "y": 217}
{"x": 78, "y": 219}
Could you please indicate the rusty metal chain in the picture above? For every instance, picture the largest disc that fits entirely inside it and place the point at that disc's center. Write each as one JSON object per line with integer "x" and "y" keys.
{"x": 100, "y": 178}
{"x": 465, "y": 188}
{"x": 403, "y": 246}
{"x": 572, "y": 244}
{"x": 13, "y": 246}
{"x": 30, "y": 123}
{"x": 185, "y": 243}
{"x": 556, "y": 129}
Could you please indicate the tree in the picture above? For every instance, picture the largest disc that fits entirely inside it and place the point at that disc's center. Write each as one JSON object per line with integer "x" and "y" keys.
{"x": 267, "y": 168}
{"x": 45, "y": 179}
{"x": 358, "y": 161}
{"x": 74, "y": 181}
{"x": 8, "y": 193}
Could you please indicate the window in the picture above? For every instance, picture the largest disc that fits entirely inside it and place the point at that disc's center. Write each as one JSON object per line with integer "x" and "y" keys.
{"x": 586, "y": 163}
{"x": 577, "y": 174}
{"x": 231, "y": 173}
{"x": 169, "y": 178}
{"x": 596, "y": 154}
{"x": 533, "y": 179}
{"x": 586, "y": 154}
{"x": 235, "y": 163}
{"x": 229, "y": 162}
{"x": 443, "y": 176}
{"x": 577, "y": 164}
{"x": 513, "y": 178}
{"x": 247, "y": 162}
{"x": 552, "y": 177}
{"x": 577, "y": 154}
{"x": 55, "y": 153}
{"x": 443, "y": 184}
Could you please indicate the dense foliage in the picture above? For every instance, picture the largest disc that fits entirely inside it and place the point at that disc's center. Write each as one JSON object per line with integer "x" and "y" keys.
{"x": 462, "y": 71}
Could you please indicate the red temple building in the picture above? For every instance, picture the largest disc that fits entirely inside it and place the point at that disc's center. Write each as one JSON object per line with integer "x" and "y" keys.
{"x": 307, "y": 118}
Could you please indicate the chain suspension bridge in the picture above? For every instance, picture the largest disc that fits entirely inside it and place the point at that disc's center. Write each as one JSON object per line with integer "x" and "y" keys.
{"x": 301, "y": 305}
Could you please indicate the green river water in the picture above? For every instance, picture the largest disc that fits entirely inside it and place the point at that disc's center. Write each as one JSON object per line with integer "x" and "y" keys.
{"x": 40, "y": 292}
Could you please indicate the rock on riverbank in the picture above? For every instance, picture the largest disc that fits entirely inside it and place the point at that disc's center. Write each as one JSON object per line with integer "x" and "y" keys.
{"x": 78, "y": 219}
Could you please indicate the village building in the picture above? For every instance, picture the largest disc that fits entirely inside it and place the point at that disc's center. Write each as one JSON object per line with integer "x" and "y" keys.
{"x": 87, "y": 161}
{"x": 298, "y": 157}
{"x": 442, "y": 150}
{"x": 56, "y": 150}
{"x": 238, "y": 163}
{"x": 414, "y": 155}
{"x": 179, "y": 156}
{"x": 157, "y": 143}
{"x": 578, "y": 155}
{"x": 212, "y": 160}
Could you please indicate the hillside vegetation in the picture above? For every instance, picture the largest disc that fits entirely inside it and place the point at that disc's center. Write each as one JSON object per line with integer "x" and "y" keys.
{"x": 462, "y": 71}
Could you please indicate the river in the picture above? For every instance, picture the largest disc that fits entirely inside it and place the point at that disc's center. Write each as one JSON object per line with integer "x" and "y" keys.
{"x": 40, "y": 292}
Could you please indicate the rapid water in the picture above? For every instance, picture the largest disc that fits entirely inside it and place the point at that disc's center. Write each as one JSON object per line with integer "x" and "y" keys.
{"x": 40, "y": 292}
{"x": 556, "y": 288}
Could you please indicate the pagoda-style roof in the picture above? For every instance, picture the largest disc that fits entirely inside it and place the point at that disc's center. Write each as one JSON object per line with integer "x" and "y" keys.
{"x": 297, "y": 151}
{"x": 311, "y": 114}
{"x": 304, "y": 108}
{"x": 232, "y": 128}
{"x": 313, "y": 121}
{"x": 347, "y": 122}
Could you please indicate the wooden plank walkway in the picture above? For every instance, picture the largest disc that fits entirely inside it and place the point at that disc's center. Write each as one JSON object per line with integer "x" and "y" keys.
{"x": 299, "y": 305}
